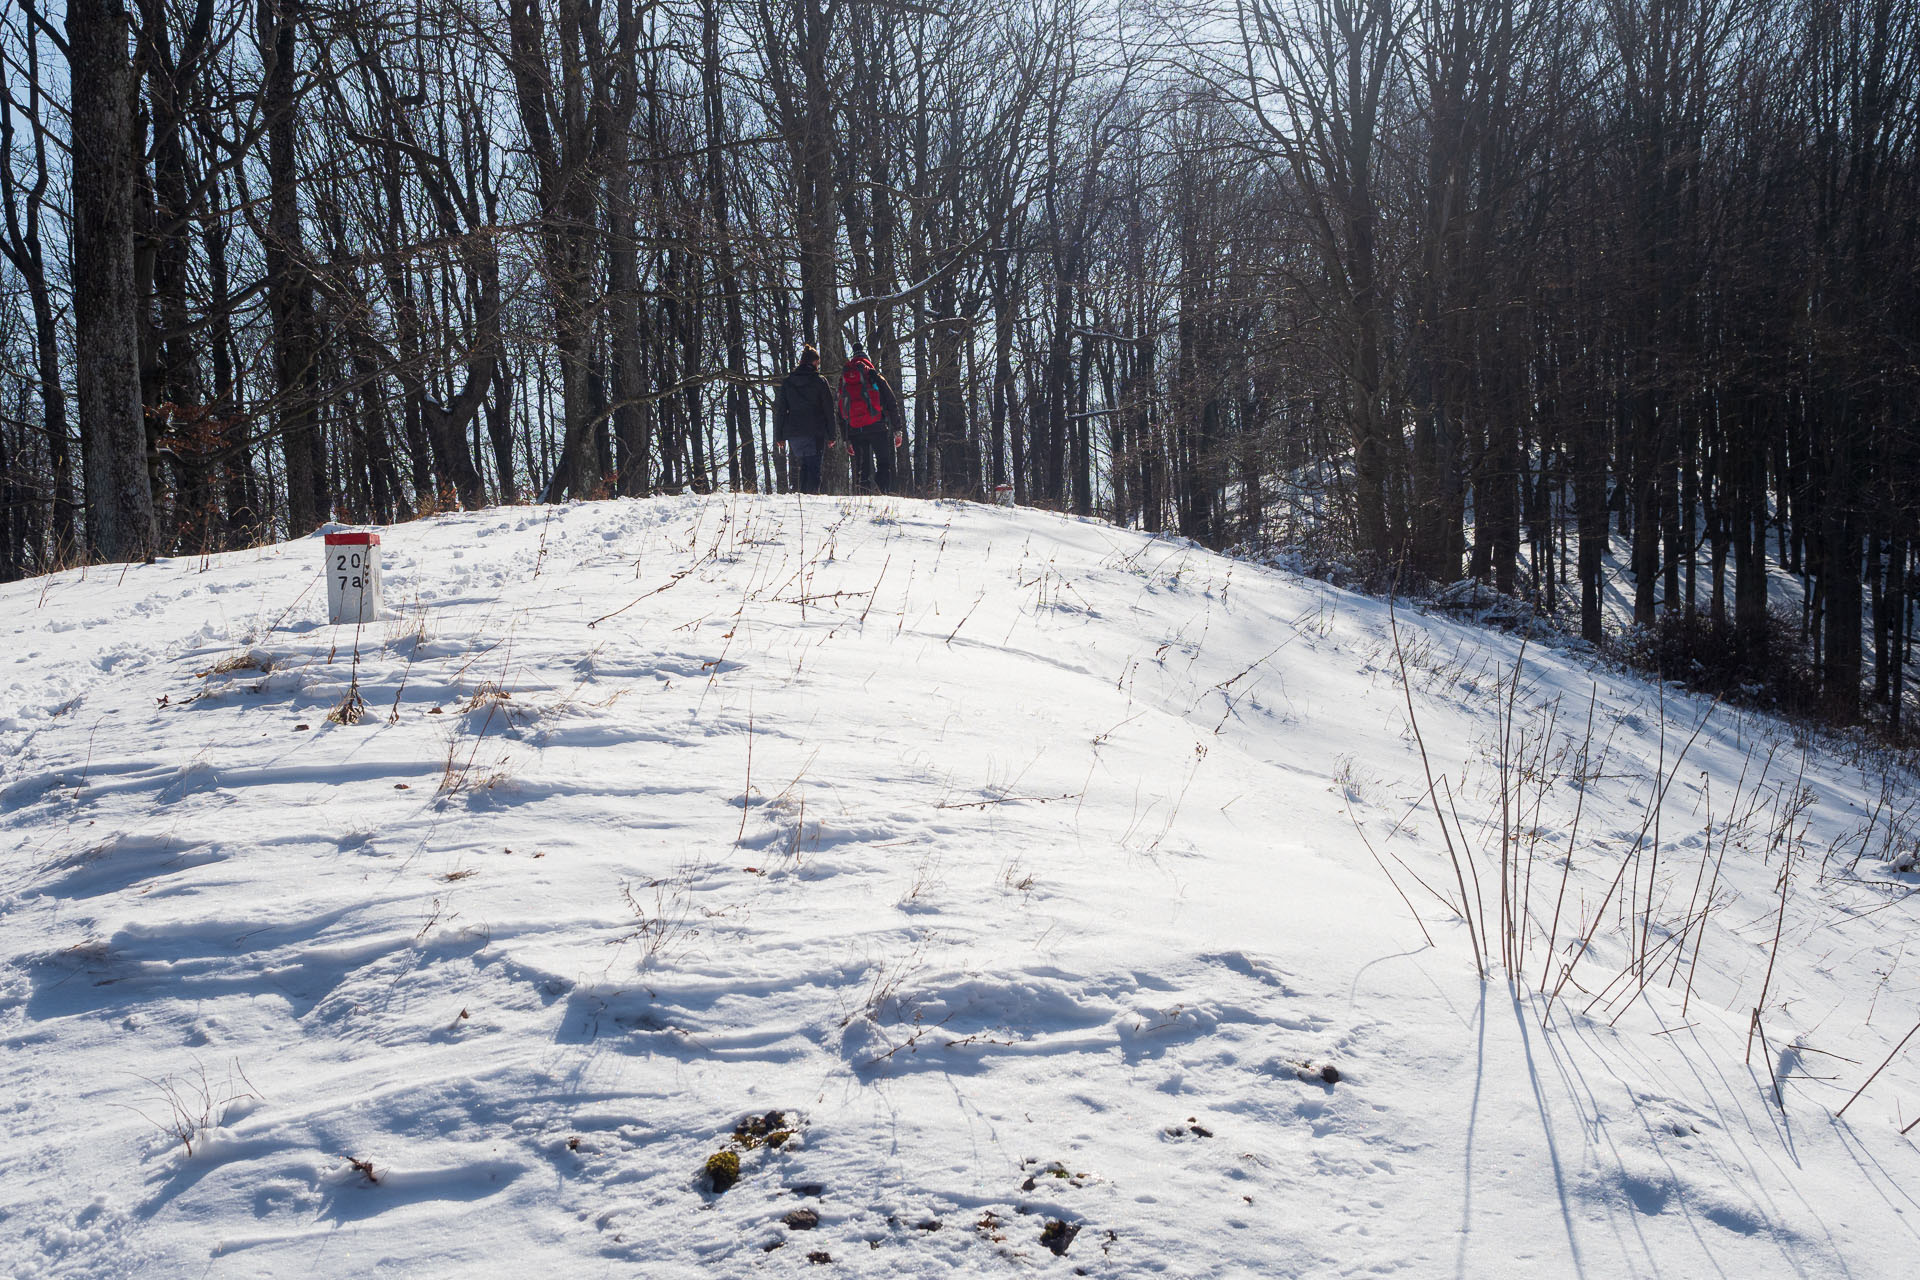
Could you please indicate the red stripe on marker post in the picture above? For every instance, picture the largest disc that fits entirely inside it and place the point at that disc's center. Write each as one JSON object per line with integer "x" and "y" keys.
{"x": 353, "y": 539}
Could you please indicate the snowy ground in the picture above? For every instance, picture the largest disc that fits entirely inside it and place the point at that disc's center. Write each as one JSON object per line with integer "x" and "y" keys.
{"x": 1035, "y": 872}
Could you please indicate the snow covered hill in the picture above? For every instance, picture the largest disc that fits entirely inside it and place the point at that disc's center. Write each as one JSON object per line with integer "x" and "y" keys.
{"x": 1000, "y": 891}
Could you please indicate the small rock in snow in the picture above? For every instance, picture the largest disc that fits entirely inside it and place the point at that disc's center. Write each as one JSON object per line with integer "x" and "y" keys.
{"x": 1058, "y": 1235}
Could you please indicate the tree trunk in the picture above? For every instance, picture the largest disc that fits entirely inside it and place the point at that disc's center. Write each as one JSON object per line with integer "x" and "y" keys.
{"x": 296, "y": 346}
{"x": 106, "y": 326}
{"x": 742, "y": 467}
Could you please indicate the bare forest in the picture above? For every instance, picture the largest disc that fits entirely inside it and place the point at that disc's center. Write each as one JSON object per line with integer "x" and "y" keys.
{"x": 1586, "y": 299}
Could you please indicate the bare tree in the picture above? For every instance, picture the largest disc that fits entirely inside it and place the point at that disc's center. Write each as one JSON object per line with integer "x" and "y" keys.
{"x": 106, "y": 332}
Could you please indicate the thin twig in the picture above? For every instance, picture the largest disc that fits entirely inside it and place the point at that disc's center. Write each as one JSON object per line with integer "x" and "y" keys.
{"x": 1877, "y": 1070}
{"x": 1359, "y": 831}
{"x": 1406, "y": 687}
{"x": 1579, "y": 807}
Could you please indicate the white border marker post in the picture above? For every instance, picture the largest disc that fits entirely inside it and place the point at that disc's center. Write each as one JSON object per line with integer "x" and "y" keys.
{"x": 353, "y": 577}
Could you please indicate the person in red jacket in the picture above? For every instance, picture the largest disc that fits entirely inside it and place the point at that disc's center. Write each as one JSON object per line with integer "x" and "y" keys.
{"x": 872, "y": 415}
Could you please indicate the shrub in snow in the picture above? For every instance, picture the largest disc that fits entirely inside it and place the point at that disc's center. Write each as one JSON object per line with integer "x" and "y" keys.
{"x": 1764, "y": 669}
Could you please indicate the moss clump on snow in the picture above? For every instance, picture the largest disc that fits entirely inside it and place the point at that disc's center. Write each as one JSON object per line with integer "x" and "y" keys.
{"x": 771, "y": 1130}
{"x": 723, "y": 1169}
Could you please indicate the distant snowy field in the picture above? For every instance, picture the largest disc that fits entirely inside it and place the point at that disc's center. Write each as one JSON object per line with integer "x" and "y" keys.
{"x": 1034, "y": 872}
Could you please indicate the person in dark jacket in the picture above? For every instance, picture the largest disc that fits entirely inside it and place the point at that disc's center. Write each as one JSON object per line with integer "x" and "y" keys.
{"x": 872, "y": 416}
{"x": 803, "y": 420}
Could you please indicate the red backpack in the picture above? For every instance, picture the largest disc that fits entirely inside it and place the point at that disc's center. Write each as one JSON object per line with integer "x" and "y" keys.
{"x": 859, "y": 398}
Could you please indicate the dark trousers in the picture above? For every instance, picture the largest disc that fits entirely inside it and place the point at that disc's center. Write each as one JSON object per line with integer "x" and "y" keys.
{"x": 873, "y": 459}
{"x": 805, "y": 454}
